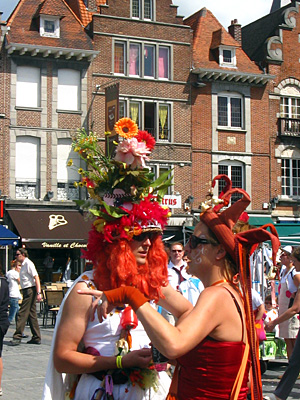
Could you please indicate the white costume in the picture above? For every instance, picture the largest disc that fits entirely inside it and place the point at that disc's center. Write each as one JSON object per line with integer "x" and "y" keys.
{"x": 102, "y": 338}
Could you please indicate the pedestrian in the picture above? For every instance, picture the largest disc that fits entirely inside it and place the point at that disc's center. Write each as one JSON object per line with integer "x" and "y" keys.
{"x": 289, "y": 282}
{"x": 177, "y": 273}
{"x": 211, "y": 343}
{"x": 13, "y": 278}
{"x": 48, "y": 264}
{"x": 288, "y": 379}
{"x": 126, "y": 248}
{"x": 31, "y": 293}
{"x": 4, "y": 323}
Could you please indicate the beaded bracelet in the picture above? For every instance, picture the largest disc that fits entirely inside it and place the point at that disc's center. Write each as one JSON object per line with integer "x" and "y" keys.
{"x": 119, "y": 362}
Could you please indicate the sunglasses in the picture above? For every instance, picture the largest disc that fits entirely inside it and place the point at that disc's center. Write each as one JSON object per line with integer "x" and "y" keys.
{"x": 18, "y": 254}
{"x": 177, "y": 251}
{"x": 194, "y": 241}
{"x": 145, "y": 235}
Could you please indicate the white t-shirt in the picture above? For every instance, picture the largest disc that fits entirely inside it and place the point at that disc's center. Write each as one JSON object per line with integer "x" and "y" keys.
{"x": 256, "y": 299}
{"x": 27, "y": 274}
{"x": 13, "y": 284}
{"x": 191, "y": 289}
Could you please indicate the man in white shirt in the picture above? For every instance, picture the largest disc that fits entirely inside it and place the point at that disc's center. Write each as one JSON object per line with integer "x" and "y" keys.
{"x": 177, "y": 267}
{"x": 31, "y": 291}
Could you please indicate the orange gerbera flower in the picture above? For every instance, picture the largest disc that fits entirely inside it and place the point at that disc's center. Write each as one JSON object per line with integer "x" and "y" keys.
{"x": 126, "y": 128}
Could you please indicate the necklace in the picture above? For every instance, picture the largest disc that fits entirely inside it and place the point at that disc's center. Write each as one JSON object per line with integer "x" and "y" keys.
{"x": 220, "y": 281}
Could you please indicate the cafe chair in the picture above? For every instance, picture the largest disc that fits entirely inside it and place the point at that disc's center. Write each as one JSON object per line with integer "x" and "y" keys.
{"x": 52, "y": 302}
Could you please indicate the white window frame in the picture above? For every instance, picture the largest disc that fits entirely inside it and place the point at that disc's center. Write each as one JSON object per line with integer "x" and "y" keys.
{"x": 288, "y": 181}
{"x": 156, "y": 169}
{"x": 141, "y": 15}
{"x": 69, "y": 89}
{"x": 142, "y": 48}
{"x": 230, "y": 96}
{"x": 43, "y": 20}
{"x": 140, "y": 120}
{"x": 27, "y": 167}
{"x": 224, "y": 63}
{"x": 28, "y": 87}
{"x": 229, "y": 164}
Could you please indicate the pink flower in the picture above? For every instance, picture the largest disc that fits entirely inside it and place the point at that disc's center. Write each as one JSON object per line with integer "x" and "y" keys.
{"x": 132, "y": 152}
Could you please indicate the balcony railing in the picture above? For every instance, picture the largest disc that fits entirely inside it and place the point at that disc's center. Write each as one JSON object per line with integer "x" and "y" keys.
{"x": 28, "y": 190}
{"x": 289, "y": 127}
{"x": 67, "y": 191}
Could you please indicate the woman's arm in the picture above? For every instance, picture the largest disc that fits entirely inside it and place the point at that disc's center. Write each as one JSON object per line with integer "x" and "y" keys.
{"x": 260, "y": 312}
{"x": 289, "y": 313}
{"x": 73, "y": 323}
{"x": 175, "y": 302}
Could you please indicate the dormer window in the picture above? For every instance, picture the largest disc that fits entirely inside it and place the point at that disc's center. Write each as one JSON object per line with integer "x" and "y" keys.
{"x": 227, "y": 57}
{"x": 142, "y": 9}
{"x": 49, "y": 26}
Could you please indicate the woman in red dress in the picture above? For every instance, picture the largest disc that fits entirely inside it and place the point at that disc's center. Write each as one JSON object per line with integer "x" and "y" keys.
{"x": 215, "y": 343}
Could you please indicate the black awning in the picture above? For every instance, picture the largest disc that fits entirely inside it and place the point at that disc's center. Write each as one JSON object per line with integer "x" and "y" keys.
{"x": 65, "y": 229}
{"x": 7, "y": 237}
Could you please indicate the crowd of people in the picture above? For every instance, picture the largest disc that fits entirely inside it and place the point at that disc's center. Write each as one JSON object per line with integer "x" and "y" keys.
{"x": 138, "y": 311}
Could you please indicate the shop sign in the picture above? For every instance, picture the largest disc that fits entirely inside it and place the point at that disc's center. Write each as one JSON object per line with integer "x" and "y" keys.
{"x": 59, "y": 245}
{"x": 172, "y": 201}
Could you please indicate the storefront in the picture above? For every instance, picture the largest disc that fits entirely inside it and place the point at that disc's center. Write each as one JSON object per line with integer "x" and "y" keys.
{"x": 62, "y": 234}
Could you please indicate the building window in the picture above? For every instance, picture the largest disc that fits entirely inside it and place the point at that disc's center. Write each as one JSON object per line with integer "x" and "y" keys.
{"x": 290, "y": 177}
{"x": 230, "y": 111}
{"x": 28, "y": 87}
{"x": 27, "y": 167}
{"x": 142, "y": 9}
{"x": 235, "y": 171}
{"x": 49, "y": 26}
{"x": 158, "y": 170}
{"x": 155, "y": 62}
{"x": 290, "y": 114}
{"x": 66, "y": 176}
{"x": 227, "y": 57}
{"x": 153, "y": 117}
{"x": 68, "y": 92}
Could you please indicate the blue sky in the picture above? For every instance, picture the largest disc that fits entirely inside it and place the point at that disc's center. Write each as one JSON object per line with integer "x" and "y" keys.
{"x": 224, "y": 10}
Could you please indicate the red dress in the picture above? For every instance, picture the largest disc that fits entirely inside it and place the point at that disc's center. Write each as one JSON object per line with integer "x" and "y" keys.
{"x": 209, "y": 371}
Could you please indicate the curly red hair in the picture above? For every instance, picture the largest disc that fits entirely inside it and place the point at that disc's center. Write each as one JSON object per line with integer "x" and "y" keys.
{"x": 115, "y": 266}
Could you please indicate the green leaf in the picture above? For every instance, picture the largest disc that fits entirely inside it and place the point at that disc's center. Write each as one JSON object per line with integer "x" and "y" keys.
{"x": 114, "y": 211}
{"x": 161, "y": 179}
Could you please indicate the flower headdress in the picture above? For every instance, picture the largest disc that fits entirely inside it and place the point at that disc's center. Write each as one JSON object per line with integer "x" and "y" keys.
{"x": 123, "y": 196}
{"x": 239, "y": 246}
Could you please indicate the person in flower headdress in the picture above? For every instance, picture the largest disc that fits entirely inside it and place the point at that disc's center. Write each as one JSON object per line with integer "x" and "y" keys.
{"x": 216, "y": 342}
{"x": 126, "y": 249}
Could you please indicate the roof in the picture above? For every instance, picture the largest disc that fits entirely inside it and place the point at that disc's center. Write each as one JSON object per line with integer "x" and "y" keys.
{"x": 24, "y": 25}
{"x": 256, "y": 34}
{"x": 208, "y": 35}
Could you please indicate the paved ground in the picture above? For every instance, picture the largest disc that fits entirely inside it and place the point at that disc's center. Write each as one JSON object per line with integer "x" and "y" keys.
{"x": 25, "y": 368}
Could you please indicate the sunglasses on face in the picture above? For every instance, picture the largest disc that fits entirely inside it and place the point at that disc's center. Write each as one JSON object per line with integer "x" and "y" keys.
{"x": 145, "y": 235}
{"x": 18, "y": 254}
{"x": 194, "y": 241}
{"x": 177, "y": 251}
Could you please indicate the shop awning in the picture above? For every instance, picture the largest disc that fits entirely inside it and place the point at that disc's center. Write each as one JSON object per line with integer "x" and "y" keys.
{"x": 65, "y": 229}
{"x": 260, "y": 220}
{"x": 7, "y": 237}
{"x": 289, "y": 233}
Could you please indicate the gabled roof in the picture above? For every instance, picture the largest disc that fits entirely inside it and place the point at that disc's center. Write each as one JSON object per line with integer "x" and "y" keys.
{"x": 209, "y": 34}
{"x": 24, "y": 35}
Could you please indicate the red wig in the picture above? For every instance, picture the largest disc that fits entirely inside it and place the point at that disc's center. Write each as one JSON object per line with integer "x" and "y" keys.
{"x": 115, "y": 266}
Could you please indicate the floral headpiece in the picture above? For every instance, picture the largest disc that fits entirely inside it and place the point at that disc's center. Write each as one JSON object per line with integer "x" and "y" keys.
{"x": 123, "y": 196}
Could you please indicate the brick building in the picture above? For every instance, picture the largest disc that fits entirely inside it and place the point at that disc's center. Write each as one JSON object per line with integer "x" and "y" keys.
{"x": 58, "y": 56}
{"x": 273, "y": 42}
{"x": 46, "y": 53}
{"x": 228, "y": 93}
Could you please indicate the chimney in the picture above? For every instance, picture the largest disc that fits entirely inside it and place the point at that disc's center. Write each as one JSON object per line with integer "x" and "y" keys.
{"x": 235, "y": 30}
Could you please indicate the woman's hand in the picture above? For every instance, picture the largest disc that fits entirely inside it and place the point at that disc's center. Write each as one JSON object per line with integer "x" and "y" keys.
{"x": 137, "y": 358}
{"x": 269, "y": 326}
{"x": 100, "y": 304}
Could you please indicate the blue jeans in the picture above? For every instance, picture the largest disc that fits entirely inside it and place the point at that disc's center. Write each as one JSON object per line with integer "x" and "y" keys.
{"x": 13, "y": 308}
